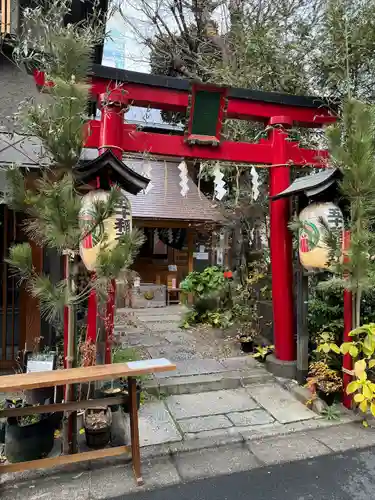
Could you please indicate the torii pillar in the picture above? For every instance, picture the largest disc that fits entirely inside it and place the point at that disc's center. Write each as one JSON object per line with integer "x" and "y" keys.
{"x": 283, "y": 362}
{"x": 111, "y": 129}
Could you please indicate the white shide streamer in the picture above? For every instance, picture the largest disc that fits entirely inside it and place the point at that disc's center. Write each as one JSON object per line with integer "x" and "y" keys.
{"x": 184, "y": 180}
{"x": 219, "y": 183}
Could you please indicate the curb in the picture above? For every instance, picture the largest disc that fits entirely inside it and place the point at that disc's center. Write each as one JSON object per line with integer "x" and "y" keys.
{"x": 242, "y": 436}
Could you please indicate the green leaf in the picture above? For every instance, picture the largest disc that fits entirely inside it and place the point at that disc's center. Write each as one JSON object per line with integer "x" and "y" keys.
{"x": 353, "y": 351}
{"x": 345, "y": 347}
{"x": 352, "y": 387}
{"x": 368, "y": 344}
{"x": 326, "y": 348}
{"x": 359, "y": 368}
{"x": 335, "y": 348}
{"x": 371, "y": 363}
{"x": 363, "y": 406}
{"x": 367, "y": 392}
{"x": 358, "y": 398}
{"x": 372, "y": 408}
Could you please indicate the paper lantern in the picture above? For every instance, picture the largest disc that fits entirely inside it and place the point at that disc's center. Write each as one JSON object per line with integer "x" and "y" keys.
{"x": 313, "y": 250}
{"x": 107, "y": 233}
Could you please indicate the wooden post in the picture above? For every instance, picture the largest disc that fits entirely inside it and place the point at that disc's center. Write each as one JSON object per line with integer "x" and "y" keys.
{"x": 134, "y": 430}
{"x": 302, "y": 295}
{"x": 347, "y": 363}
{"x": 190, "y": 239}
{"x": 302, "y": 328}
{"x": 33, "y": 319}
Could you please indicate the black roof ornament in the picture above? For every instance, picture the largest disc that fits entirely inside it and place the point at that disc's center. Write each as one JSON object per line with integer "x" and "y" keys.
{"x": 110, "y": 170}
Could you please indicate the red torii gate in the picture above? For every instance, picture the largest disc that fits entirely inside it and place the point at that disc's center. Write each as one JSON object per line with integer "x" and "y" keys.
{"x": 120, "y": 88}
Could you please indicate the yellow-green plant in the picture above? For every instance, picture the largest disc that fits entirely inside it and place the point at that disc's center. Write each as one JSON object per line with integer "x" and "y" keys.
{"x": 261, "y": 352}
{"x": 362, "y": 350}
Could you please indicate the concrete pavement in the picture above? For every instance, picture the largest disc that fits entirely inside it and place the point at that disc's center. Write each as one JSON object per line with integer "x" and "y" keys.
{"x": 113, "y": 478}
{"x": 341, "y": 476}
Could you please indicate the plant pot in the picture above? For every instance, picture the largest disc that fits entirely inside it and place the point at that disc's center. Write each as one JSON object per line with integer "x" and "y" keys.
{"x": 46, "y": 394}
{"x": 329, "y": 397}
{"x": 98, "y": 437}
{"x": 247, "y": 346}
{"x": 126, "y": 406}
{"x": 29, "y": 442}
{"x": 2, "y": 430}
{"x": 112, "y": 389}
{"x": 80, "y": 419}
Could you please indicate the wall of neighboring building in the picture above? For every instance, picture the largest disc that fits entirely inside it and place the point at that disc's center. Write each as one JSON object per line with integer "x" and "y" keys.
{"x": 15, "y": 86}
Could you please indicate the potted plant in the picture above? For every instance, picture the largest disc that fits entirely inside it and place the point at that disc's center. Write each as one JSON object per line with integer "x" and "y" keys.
{"x": 30, "y": 437}
{"x": 2, "y": 424}
{"x": 112, "y": 389}
{"x": 324, "y": 382}
{"x": 247, "y": 343}
{"x": 97, "y": 425}
{"x": 262, "y": 351}
{"x": 245, "y": 336}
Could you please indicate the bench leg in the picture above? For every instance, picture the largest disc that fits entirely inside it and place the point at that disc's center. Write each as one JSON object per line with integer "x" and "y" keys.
{"x": 134, "y": 430}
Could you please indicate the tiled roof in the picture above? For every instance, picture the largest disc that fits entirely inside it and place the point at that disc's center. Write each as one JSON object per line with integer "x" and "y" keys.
{"x": 164, "y": 200}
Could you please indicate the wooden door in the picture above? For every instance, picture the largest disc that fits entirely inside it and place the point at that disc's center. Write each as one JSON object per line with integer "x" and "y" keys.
{"x": 11, "y": 331}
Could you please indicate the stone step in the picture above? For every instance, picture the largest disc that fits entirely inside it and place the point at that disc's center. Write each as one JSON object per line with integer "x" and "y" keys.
{"x": 195, "y": 384}
{"x": 165, "y": 318}
{"x": 206, "y": 375}
{"x": 153, "y": 311}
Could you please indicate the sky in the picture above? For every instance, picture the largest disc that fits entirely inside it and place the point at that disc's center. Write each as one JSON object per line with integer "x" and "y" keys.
{"x": 124, "y": 49}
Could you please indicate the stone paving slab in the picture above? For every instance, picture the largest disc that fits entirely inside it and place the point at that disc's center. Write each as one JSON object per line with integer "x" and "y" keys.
{"x": 346, "y": 437}
{"x": 156, "y": 425}
{"x": 165, "y": 318}
{"x": 179, "y": 337}
{"x": 174, "y": 386}
{"x": 61, "y": 485}
{"x": 287, "y": 449}
{"x": 210, "y": 403}
{"x": 280, "y": 403}
{"x": 199, "y": 424}
{"x": 114, "y": 482}
{"x": 156, "y": 311}
{"x": 253, "y": 417}
{"x": 243, "y": 363}
{"x": 201, "y": 464}
{"x": 173, "y": 352}
{"x": 141, "y": 340}
{"x": 162, "y": 327}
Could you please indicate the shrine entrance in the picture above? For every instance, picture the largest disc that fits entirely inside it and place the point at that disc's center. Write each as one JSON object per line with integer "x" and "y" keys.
{"x": 206, "y": 107}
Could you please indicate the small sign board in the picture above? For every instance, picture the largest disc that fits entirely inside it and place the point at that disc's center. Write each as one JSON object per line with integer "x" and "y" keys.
{"x": 40, "y": 362}
{"x": 148, "y": 364}
{"x": 201, "y": 255}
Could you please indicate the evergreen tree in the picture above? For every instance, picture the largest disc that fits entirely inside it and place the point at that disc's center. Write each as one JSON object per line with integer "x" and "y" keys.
{"x": 52, "y": 201}
{"x": 352, "y": 149}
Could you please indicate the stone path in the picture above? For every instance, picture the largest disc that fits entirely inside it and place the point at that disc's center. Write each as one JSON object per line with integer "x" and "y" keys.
{"x": 219, "y": 413}
{"x": 210, "y": 397}
{"x": 157, "y": 329}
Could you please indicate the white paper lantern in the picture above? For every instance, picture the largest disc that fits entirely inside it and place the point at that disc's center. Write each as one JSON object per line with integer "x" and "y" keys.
{"x": 313, "y": 250}
{"x": 106, "y": 234}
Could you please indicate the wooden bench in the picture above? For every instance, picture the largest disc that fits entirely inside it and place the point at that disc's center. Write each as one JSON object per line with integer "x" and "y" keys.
{"x": 26, "y": 381}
